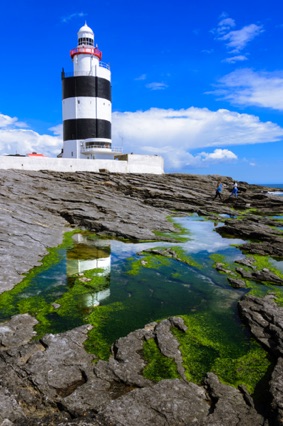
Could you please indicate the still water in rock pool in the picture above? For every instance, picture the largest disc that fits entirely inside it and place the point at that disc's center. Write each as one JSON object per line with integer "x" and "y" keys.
{"x": 119, "y": 287}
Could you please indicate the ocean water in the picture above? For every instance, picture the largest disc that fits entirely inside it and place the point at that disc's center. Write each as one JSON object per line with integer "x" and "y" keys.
{"x": 275, "y": 185}
{"x": 272, "y": 185}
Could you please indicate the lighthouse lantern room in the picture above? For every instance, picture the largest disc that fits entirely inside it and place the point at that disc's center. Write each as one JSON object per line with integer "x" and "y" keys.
{"x": 86, "y": 104}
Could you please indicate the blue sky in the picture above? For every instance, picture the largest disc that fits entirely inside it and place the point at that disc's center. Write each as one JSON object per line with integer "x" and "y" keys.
{"x": 198, "y": 82}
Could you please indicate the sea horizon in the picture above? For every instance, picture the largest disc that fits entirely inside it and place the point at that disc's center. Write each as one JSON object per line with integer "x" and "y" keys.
{"x": 271, "y": 185}
{"x": 277, "y": 188}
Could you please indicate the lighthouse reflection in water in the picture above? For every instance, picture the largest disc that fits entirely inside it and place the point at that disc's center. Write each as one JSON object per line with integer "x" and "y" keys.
{"x": 90, "y": 262}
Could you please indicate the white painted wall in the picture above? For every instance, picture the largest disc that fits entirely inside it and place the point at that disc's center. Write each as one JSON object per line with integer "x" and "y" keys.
{"x": 87, "y": 107}
{"x": 85, "y": 64}
{"x": 144, "y": 163}
{"x": 128, "y": 163}
{"x": 103, "y": 71}
{"x": 72, "y": 149}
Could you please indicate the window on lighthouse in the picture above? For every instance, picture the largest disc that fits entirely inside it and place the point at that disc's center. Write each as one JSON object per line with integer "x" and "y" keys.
{"x": 85, "y": 40}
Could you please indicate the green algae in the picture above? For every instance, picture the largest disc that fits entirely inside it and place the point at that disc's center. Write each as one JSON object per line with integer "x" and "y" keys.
{"x": 147, "y": 261}
{"x": 228, "y": 267}
{"x": 92, "y": 278}
{"x": 205, "y": 348}
{"x": 261, "y": 289}
{"x": 156, "y": 257}
{"x": 72, "y": 306}
{"x": 67, "y": 303}
{"x": 182, "y": 256}
{"x": 220, "y": 258}
{"x": 259, "y": 263}
{"x": 10, "y": 301}
{"x": 247, "y": 370}
{"x": 250, "y": 211}
{"x": 181, "y": 234}
{"x": 173, "y": 252}
{"x": 255, "y": 288}
{"x": 98, "y": 341}
{"x": 262, "y": 262}
{"x": 158, "y": 366}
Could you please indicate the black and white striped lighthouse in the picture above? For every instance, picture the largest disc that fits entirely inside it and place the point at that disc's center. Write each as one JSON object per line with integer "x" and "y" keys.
{"x": 86, "y": 102}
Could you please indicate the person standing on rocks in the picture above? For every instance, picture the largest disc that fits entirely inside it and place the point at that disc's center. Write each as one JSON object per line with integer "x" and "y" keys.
{"x": 234, "y": 191}
{"x": 218, "y": 191}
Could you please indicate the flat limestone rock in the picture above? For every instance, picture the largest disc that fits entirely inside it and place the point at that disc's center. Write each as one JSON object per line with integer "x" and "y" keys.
{"x": 170, "y": 402}
{"x": 54, "y": 381}
{"x": 38, "y": 207}
{"x": 57, "y": 372}
{"x": 17, "y": 331}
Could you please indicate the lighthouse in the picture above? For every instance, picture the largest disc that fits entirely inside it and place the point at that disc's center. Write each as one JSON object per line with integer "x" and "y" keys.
{"x": 86, "y": 103}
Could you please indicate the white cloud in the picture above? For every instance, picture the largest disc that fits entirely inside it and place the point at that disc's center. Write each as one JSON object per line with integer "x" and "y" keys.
{"x": 6, "y": 121}
{"x": 246, "y": 87}
{"x": 234, "y": 59}
{"x": 224, "y": 26}
{"x": 175, "y": 133}
{"x": 236, "y": 40}
{"x": 218, "y": 155}
{"x": 156, "y": 86}
{"x": 141, "y": 77}
{"x": 72, "y": 16}
{"x": 17, "y": 138}
{"x": 57, "y": 130}
{"x": 208, "y": 51}
{"x": 195, "y": 136}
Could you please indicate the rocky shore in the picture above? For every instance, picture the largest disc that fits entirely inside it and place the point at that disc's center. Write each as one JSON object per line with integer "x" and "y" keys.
{"x": 54, "y": 381}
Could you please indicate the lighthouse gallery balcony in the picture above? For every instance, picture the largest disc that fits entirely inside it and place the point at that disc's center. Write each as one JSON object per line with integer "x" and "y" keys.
{"x": 98, "y": 147}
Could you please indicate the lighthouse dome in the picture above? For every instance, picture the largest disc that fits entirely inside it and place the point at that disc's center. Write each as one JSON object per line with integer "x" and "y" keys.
{"x": 85, "y": 36}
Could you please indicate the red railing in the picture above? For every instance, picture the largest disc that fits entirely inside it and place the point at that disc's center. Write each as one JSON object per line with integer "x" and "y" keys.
{"x": 86, "y": 51}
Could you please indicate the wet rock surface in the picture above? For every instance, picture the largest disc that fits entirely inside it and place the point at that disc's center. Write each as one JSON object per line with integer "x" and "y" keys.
{"x": 37, "y": 207}
{"x": 265, "y": 320}
{"x": 54, "y": 381}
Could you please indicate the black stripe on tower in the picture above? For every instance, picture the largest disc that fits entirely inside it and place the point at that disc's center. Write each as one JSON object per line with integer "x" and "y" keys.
{"x": 95, "y": 87}
{"x": 84, "y": 128}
